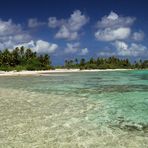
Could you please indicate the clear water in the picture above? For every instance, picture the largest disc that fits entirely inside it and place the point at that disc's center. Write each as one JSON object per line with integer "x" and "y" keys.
{"x": 70, "y": 110}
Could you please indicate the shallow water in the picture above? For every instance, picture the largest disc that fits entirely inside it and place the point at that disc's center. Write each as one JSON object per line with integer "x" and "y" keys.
{"x": 88, "y": 109}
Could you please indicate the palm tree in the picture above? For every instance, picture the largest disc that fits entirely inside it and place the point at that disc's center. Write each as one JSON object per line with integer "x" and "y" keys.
{"x": 82, "y": 62}
{"x": 76, "y": 61}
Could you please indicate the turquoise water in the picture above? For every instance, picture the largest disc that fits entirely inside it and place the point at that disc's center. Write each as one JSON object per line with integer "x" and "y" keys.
{"x": 86, "y": 109}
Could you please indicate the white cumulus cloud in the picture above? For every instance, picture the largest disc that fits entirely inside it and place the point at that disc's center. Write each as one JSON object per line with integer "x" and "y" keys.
{"x": 45, "y": 47}
{"x": 135, "y": 50}
{"x": 77, "y": 20}
{"x": 84, "y": 51}
{"x": 109, "y": 34}
{"x": 75, "y": 48}
{"x": 8, "y": 28}
{"x": 11, "y": 34}
{"x": 33, "y": 22}
{"x": 113, "y": 20}
{"x": 138, "y": 36}
{"x": 114, "y": 27}
{"x": 69, "y": 28}
{"x": 53, "y": 22}
{"x": 72, "y": 47}
{"x": 65, "y": 33}
{"x": 106, "y": 54}
{"x": 39, "y": 46}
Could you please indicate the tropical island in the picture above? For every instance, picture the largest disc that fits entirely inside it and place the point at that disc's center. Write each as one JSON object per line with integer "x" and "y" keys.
{"x": 20, "y": 59}
{"x": 74, "y": 74}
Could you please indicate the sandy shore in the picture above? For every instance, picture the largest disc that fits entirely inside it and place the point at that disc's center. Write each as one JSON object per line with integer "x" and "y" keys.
{"x": 38, "y": 73}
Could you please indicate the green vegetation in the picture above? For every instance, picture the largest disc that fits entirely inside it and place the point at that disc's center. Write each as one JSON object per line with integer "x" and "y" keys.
{"x": 105, "y": 63}
{"x": 23, "y": 59}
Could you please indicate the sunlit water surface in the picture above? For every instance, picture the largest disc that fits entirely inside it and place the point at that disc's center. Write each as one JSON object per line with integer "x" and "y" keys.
{"x": 70, "y": 110}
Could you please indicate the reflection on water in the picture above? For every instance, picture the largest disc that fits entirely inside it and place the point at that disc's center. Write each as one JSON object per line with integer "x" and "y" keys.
{"x": 97, "y": 109}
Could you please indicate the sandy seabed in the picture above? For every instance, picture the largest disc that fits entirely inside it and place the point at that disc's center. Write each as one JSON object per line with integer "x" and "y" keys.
{"x": 77, "y": 110}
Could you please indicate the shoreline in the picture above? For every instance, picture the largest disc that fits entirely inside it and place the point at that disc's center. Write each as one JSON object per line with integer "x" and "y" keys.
{"x": 44, "y": 72}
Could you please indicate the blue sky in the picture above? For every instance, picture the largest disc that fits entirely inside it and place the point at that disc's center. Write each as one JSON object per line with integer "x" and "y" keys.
{"x": 76, "y": 28}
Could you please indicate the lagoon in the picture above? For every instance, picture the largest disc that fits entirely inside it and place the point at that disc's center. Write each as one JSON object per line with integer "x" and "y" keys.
{"x": 83, "y": 109}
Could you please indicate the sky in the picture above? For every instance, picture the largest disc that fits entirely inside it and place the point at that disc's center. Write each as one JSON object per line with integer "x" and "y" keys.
{"x": 66, "y": 29}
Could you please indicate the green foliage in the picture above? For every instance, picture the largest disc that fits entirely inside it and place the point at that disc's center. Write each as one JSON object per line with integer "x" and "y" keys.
{"x": 23, "y": 59}
{"x": 19, "y": 68}
{"x": 6, "y": 68}
{"x": 105, "y": 63}
{"x": 144, "y": 64}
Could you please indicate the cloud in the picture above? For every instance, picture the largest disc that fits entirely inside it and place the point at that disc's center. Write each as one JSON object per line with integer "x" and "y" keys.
{"x": 33, "y": 22}
{"x": 77, "y": 20}
{"x": 29, "y": 44}
{"x": 39, "y": 46}
{"x": 106, "y": 54}
{"x": 123, "y": 49}
{"x": 65, "y": 33}
{"x": 45, "y": 47}
{"x": 114, "y": 27}
{"x": 138, "y": 36}
{"x": 72, "y": 47}
{"x": 84, "y": 51}
{"x": 113, "y": 20}
{"x": 69, "y": 28}
{"x": 53, "y": 22}
{"x": 109, "y": 34}
{"x": 8, "y": 27}
{"x": 11, "y": 34}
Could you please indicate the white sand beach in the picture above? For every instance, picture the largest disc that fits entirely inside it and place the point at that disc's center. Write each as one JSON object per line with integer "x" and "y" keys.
{"x": 42, "y": 72}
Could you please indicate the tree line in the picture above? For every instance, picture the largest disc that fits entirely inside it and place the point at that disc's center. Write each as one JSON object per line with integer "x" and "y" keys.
{"x": 105, "y": 63}
{"x": 23, "y": 59}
